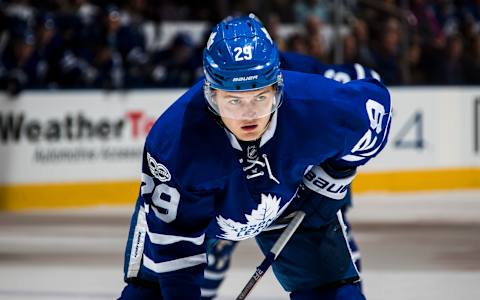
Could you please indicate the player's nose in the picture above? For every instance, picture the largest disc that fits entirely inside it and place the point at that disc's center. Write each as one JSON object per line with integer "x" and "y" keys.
{"x": 249, "y": 113}
{"x": 250, "y": 110}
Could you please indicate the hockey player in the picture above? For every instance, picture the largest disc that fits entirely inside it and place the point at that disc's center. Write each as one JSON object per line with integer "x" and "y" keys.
{"x": 219, "y": 255}
{"x": 237, "y": 154}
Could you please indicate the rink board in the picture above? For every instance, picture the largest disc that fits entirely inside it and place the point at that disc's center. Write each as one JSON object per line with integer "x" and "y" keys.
{"x": 62, "y": 149}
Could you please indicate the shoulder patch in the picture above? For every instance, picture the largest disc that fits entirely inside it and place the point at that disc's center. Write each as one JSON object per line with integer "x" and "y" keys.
{"x": 158, "y": 170}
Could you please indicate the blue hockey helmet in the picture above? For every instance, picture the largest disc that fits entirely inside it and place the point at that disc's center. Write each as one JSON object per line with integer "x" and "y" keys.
{"x": 241, "y": 56}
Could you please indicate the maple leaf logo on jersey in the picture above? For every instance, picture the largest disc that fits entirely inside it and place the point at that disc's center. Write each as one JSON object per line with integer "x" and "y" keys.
{"x": 260, "y": 218}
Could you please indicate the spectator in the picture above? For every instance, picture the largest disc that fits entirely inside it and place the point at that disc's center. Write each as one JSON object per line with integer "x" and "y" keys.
{"x": 452, "y": 69}
{"x": 297, "y": 43}
{"x": 446, "y": 14}
{"x": 387, "y": 54}
{"x": 350, "y": 50}
{"x": 272, "y": 24}
{"x": 320, "y": 9}
{"x": 175, "y": 66}
{"x": 19, "y": 63}
{"x": 282, "y": 8}
{"x": 428, "y": 26}
{"x": 472, "y": 61}
{"x": 109, "y": 73}
{"x": 414, "y": 61}
{"x": 50, "y": 50}
{"x": 317, "y": 41}
{"x": 361, "y": 34}
{"x": 123, "y": 55}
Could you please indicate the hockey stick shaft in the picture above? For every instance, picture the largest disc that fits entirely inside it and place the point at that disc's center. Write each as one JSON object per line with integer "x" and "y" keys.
{"x": 276, "y": 249}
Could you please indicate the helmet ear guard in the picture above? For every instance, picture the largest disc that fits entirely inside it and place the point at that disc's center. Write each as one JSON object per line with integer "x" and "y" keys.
{"x": 208, "y": 94}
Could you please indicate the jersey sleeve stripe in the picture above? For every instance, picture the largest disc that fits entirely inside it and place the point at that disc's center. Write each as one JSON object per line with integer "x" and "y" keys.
{"x": 165, "y": 239}
{"x": 214, "y": 275}
{"x": 208, "y": 293}
{"x": 351, "y": 157}
{"x": 174, "y": 265}
{"x": 138, "y": 243}
{"x": 168, "y": 239}
{"x": 344, "y": 231}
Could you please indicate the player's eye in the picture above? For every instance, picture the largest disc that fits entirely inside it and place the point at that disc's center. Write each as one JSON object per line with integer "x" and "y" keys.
{"x": 261, "y": 98}
{"x": 234, "y": 101}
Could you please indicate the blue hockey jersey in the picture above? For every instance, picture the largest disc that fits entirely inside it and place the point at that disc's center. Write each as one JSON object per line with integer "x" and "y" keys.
{"x": 198, "y": 180}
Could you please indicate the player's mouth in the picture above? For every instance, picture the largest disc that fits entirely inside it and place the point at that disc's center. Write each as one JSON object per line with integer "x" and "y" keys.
{"x": 249, "y": 127}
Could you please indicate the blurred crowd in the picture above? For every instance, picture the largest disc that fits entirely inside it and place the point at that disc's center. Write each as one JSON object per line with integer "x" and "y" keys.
{"x": 58, "y": 44}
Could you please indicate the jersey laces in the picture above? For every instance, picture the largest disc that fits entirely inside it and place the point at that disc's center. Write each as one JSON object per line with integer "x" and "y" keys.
{"x": 253, "y": 163}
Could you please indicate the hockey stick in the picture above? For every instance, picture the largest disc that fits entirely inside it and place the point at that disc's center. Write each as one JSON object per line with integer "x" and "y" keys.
{"x": 272, "y": 255}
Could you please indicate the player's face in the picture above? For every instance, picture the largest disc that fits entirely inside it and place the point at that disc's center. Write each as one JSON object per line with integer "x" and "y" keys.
{"x": 246, "y": 114}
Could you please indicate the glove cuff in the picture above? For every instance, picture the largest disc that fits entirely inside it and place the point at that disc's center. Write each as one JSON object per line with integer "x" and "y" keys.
{"x": 320, "y": 181}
